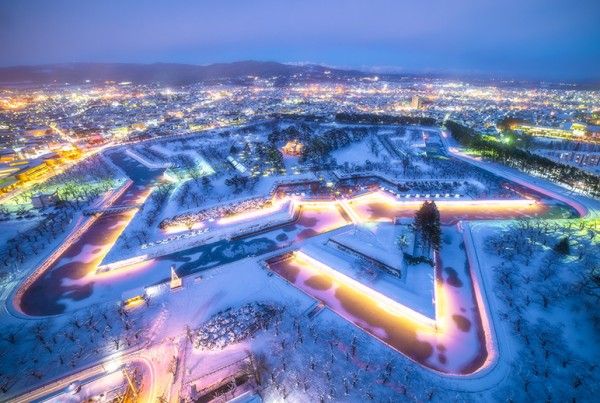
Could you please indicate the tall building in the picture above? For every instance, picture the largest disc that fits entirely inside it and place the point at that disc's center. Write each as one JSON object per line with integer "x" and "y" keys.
{"x": 416, "y": 102}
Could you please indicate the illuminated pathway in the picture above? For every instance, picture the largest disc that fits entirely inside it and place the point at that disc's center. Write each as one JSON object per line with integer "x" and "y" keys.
{"x": 72, "y": 282}
{"x": 381, "y": 206}
{"x": 453, "y": 342}
{"x": 457, "y": 339}
{"x": 71, "y": 276}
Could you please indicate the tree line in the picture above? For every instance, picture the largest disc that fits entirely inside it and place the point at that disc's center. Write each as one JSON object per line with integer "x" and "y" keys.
{"x": 319, "y": 147}
{"x": 375, "y": 119}
{"x": 524, "y": 160}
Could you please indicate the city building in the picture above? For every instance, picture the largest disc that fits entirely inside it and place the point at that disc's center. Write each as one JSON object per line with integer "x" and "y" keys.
{"x": 34, "y": 171}
{"x": 416, "y": 102}
{"x": 293, "y": 148}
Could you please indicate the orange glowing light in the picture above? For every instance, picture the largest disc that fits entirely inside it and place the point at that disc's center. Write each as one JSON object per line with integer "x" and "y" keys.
{"x": 275, "y": 206}
{"x": 370, "y": 296}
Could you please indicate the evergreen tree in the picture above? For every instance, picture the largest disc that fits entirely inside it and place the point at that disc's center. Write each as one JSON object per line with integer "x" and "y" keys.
{"x": 427, "y": 223}
{"x": 562, "y": 246}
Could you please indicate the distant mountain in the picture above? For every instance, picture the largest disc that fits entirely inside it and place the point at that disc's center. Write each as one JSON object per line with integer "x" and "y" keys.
{"x": 168, "y": 73}
{"x": 236, "y": 73}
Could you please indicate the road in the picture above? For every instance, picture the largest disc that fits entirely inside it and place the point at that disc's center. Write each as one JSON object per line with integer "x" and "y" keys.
{"x": 110, "y": 365}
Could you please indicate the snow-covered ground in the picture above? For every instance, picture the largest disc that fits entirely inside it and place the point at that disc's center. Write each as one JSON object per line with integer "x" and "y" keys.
{"x": 500, "y": 315}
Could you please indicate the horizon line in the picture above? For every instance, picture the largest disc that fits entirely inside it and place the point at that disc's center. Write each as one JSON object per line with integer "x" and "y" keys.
{"x": 365, "y": 69}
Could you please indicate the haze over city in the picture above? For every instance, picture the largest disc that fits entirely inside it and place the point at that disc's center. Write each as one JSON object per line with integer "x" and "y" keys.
{"x": 302, "y": 201}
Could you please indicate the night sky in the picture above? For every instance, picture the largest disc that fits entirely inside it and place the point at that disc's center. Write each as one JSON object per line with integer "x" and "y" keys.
{"x": 546, "y": 39}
